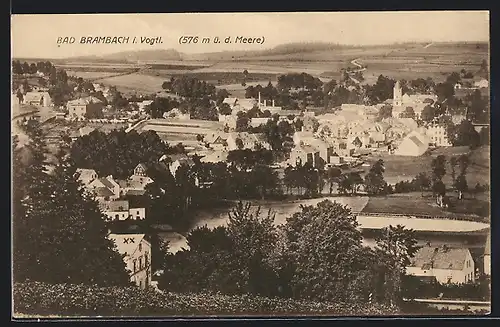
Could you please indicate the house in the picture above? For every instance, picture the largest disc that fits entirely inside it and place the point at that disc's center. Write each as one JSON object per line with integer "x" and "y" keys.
{"x": 120, "y": 210}
{"x": 142, "y": 105}
{"x": 39, "y": 99}
{"x": 240, "y": 104}
{"x": 137, "y": 256}
{"x": 245, "y": 140}
{"x": 447, "y": 265}
{"x": 438, "y": 135}
{"x": 82, "y": 131}
{"x": 414, "y": 144}
{"x": 482, "y": 83}
{"x": 105, "y": 188}
{"x": 302, "y": 154}
{"x": 177, "y": 114}
{"x": 417, "y": 101}
{"x": 215, "y": 157}
{"x": 487, "y": 256}
{"x": 302, "y": 137}
{"x": 326, "y": 150}
{"x": 216, "y": 140}
{"x": 175, "y": 161}
{"x": 256, "y": 122}
{"x": 85, "y": 108}
{"x": 86, "y": 176}
{"x": 229, "y": 121}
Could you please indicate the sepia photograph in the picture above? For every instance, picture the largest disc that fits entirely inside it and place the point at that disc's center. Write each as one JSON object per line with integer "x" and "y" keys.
{"x": 177, "y": 165}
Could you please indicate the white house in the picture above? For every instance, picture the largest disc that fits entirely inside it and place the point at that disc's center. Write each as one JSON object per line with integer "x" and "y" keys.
{"x": 447, "y": 265}
{"x": 438, "y": 135}
{"x": 414, "y": 144}
{"x": 137, "y": 256}
{"x": 483, "y": 83}
{"x": 86, "y": 176}
{"x": 40, "y": 99}
{"x": 487, "y": 256}
{"x": 120, "y": 210}
{"x": 248, "y": 141}
{"x": 105, "y": 188}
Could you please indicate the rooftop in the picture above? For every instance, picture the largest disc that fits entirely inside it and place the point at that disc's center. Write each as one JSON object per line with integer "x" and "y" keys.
{"x": 440, "y": 258}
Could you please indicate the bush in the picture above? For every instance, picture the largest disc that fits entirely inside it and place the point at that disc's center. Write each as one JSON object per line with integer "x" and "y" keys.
{"x": 42, "y": 299}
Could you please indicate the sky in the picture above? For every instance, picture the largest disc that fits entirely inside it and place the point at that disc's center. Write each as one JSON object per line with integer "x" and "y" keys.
{"x": 35, "y": 36}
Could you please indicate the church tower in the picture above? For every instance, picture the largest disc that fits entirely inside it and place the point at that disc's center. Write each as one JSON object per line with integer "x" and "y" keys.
{"x": 397, "y": 95}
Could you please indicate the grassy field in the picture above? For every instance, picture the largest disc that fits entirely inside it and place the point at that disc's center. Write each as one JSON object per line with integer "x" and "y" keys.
{"x": 91, "y": 75}
{"x": 400, "y": 168}
{"x": 416, "y": 203}
{"x": 134, "y": 83}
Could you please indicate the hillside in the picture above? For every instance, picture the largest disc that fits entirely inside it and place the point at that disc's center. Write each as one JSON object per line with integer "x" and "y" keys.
{"x": 308, "y": 51}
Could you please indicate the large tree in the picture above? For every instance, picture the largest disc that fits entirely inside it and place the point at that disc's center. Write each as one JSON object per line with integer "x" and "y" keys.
{"x": 324, "y": 254}
{"x": 64, "y": 237}
{"x": 397, "y": 246}
{"x": 374, "y": 180}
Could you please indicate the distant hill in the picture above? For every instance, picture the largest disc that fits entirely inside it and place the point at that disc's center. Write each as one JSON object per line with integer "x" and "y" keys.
{"x": 283, "y": 51}
{"x": 134, "y": 56}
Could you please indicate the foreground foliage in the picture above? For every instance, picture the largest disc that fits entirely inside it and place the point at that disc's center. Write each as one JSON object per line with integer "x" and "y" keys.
{"x": 34, "y": 298}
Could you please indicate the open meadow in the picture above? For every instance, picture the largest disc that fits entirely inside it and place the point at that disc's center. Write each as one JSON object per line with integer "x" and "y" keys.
{"x": 135, "y": 83}
{"x": 402, "y": 168}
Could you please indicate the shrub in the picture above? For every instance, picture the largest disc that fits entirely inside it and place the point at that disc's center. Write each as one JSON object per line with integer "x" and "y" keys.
{"x": 42, "y": 299}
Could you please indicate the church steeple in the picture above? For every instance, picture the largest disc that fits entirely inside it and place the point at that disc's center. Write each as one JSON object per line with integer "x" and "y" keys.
{"x": 397, "y": 95}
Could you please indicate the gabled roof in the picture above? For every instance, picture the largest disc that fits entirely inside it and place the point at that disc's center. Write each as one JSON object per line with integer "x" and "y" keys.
{"x": 84, "y": 101}
{"x": 121, "y": 205}
{"x": 440, "y": 258}
{"x": 107, "y": 183}
{"x": 103, "y": 192}
{"x": 127, "y": 243}
{"x": 86, "y": 174}
{"x": 415, "y": 140}
{"x": 215, "y": 137}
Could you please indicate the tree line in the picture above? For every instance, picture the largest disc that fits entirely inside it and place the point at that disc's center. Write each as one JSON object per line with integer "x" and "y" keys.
{"x": 316, "y": 254}
{"x": 59, "y": 234}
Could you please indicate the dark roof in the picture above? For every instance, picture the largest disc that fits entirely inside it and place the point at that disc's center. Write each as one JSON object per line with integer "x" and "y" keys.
{"x": 115, "y": 206}
{"x": 106, "y": 182}
{"x": 103, "y": 191}
{"x": 440, "y": 258}
{"x": 135, "y": 192}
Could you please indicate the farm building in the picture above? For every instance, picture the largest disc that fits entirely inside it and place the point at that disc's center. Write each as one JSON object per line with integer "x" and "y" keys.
{"x": 438, "y": 135}
{"x": 120, "y": 210}
{"x": 414, "y": 144}
{"x": 303, "y": 154}
{"x": 39, "y": 99}
{"x": 85, "y": 108}
{"x": 447, "y": 265}
{"x": 246, "y": 140}
{"x": 215, "y": 157}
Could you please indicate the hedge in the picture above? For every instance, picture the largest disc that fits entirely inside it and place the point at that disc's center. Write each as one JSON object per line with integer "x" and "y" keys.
{"x": 66, "y": 300}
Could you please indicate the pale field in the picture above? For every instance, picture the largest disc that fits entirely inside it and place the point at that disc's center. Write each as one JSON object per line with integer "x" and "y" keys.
{"x": 134, "y": 82}
{"x": 91, "y": 75}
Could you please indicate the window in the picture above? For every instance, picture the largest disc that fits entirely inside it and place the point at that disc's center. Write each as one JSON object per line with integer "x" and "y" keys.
{"x": 140, "y": 262}
{"x": 146, "y": 259}
{"x": 138, "y": 212}
{"x": 135, "y": 268}
{"x": 117, "y": 217}
{"x": 140, "y": 246}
